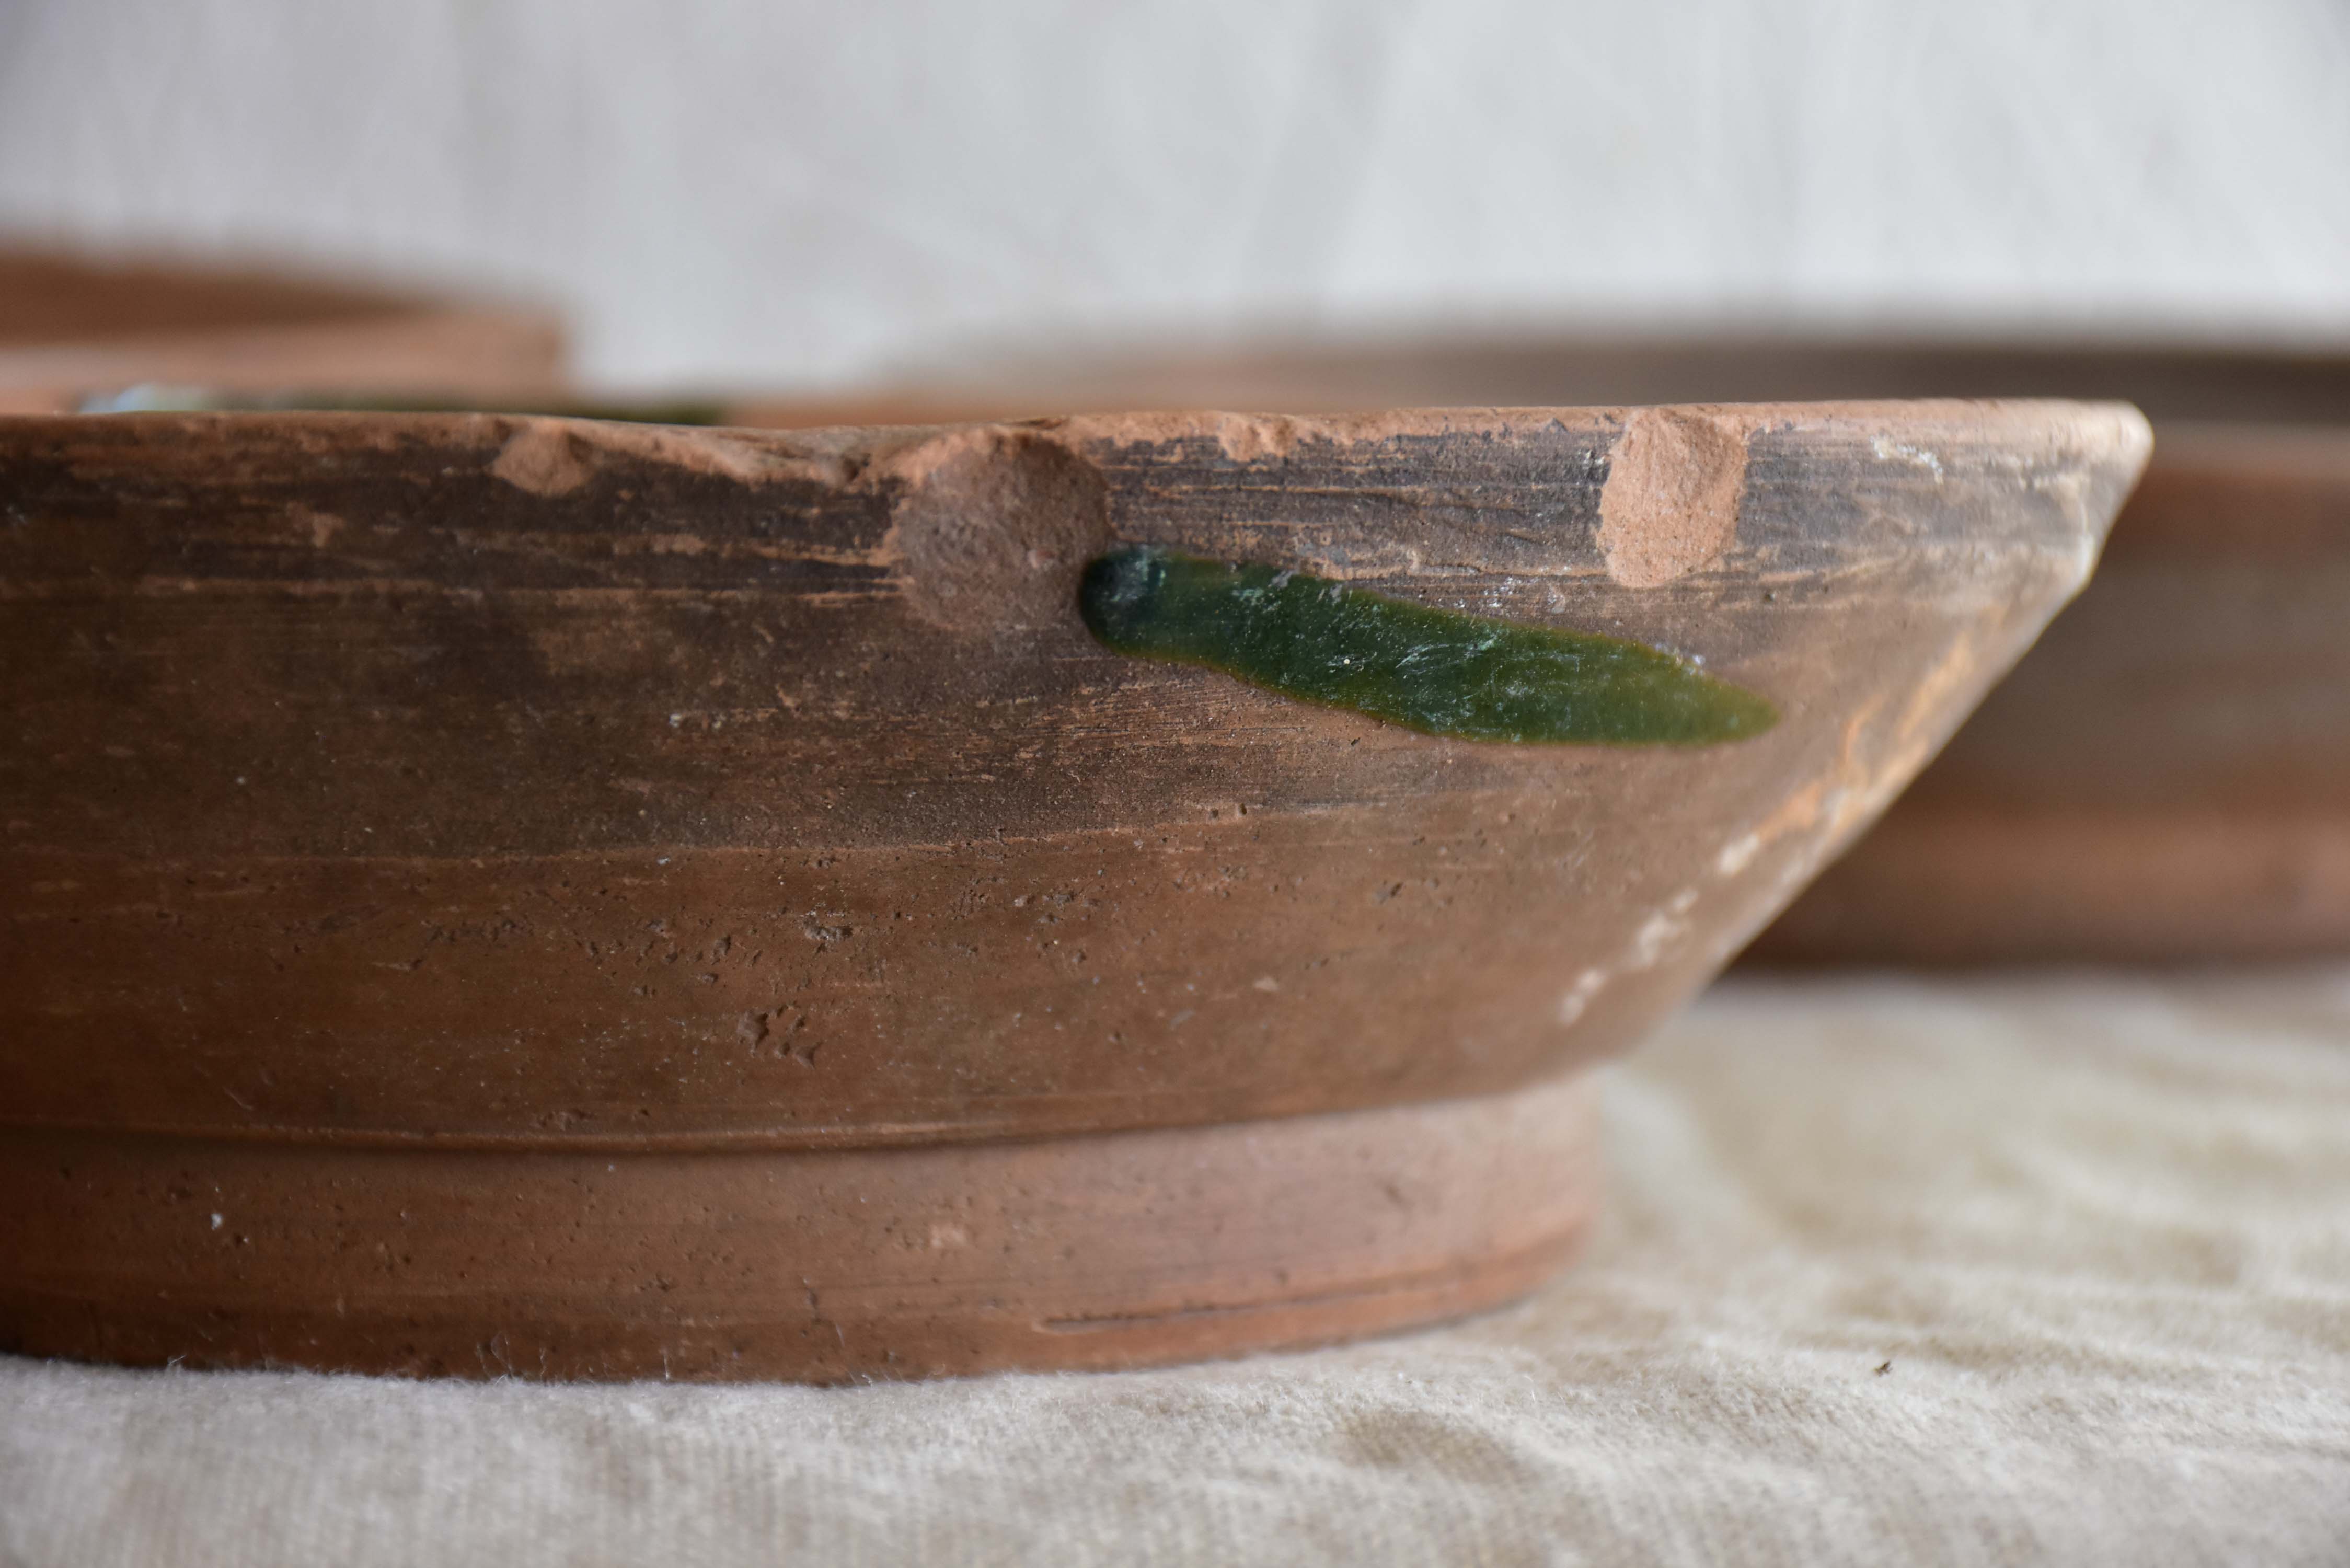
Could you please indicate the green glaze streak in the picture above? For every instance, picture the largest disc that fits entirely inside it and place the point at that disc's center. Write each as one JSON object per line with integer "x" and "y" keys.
{"x": 1443, "y": 672}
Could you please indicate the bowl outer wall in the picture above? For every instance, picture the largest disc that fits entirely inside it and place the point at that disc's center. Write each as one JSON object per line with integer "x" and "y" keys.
{"x": 522, "y": 781}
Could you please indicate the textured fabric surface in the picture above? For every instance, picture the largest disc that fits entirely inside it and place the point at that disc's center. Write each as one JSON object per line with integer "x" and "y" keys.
{"x": 2051, "y": 1270}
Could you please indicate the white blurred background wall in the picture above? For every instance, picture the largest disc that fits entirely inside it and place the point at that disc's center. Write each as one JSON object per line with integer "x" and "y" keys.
{"x": 732, "y": 192}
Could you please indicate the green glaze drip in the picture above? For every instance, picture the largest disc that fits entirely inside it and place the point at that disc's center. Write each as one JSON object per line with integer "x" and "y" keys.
{"x": 1442, "y": 673}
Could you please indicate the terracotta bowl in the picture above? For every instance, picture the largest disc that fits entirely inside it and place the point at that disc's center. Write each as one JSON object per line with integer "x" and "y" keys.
{"x": 521, "y": 895}
{"x": 2160, "y": 781}
{"x": 72, "y": 328}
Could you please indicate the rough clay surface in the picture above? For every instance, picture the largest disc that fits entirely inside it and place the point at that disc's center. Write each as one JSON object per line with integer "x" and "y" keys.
{"x": 2161, "y": 779}
{"x": 1669, "y": 506}
{"x": 1120, "y": 1250}
{"x": 995, "y": 527}
{"x": 542, "y": 458}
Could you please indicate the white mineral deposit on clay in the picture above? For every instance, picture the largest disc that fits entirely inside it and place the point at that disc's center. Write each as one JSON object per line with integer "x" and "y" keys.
{"x": 1891, "y": 451}
{"x": 1578, "y": 996}
{"x": 1737, "y": 855}
{"x": 1661, "y": 931}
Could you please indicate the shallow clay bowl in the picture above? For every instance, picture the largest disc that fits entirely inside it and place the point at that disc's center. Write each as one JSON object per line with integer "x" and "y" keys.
{"x": 494, "y": 894}
{"x": 75, "y": 329}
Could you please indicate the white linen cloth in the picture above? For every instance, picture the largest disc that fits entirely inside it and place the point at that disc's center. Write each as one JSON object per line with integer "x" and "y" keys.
{"x": 2005, "y": 1270}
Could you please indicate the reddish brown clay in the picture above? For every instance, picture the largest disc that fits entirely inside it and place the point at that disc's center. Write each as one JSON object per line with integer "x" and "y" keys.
{"x": 2161, "y": 780}
{"x": 491, "y": 893}
{"x": 71, "y": 328}
{"x": 548, "y": 1261}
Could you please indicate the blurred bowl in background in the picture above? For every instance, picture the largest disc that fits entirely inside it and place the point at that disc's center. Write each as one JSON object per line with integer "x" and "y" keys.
{"x": 71, "y": 328}
{"x": 2165, "y": 778}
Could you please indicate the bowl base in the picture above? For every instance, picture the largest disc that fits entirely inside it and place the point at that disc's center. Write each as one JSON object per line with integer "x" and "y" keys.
{"x": 1106, "y": 1250}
